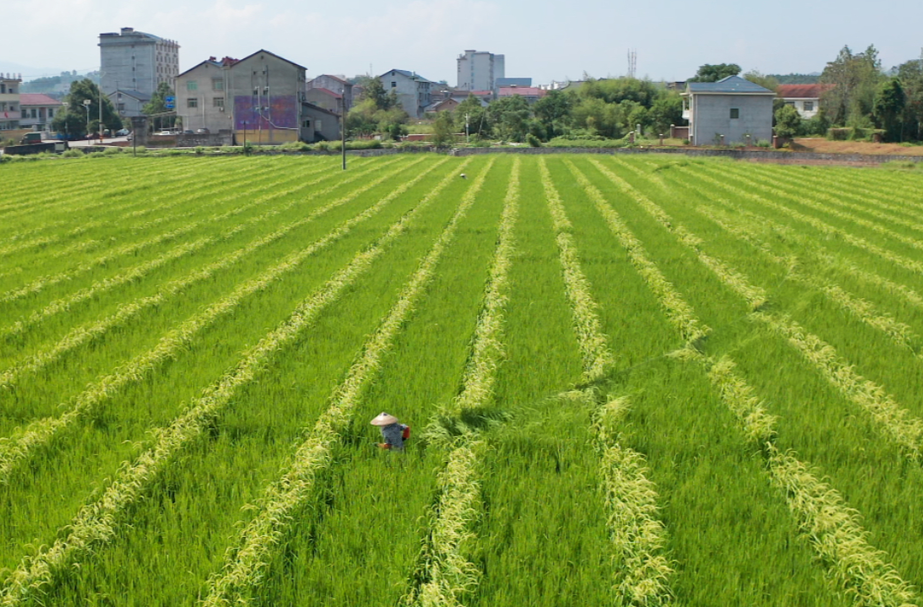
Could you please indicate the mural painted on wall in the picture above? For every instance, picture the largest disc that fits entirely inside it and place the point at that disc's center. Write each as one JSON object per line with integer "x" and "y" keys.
{"x": 282, "y": 113}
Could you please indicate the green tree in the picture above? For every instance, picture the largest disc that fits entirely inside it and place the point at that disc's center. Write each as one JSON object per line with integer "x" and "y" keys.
{"x": 443, "y": 130}
{"x": 767, "y": 82}
{"x": 472, "y": 112}
{"x": 375, "y": 91}
{"x": 553, "y": 112}
{"x": 911, "y": 75}
{"x": 75, "y": 118}
{"x": 889, "y": 109}
{"x": 366, "y": 118}
{"x": 510, "y": 116}
{"x": 158, "y": 105}
{"x": 788, "y": 122}
{"x": 716, "y": 72}
{"x": 667, "y": 110}
{"x": 853, "y": 80}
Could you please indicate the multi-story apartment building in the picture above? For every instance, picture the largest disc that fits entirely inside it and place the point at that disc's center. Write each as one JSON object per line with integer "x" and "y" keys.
{"x": 137, "y": 62}
{"x": 9, "y": 101}
{"x": 414, "y": 92}
{"x": 261, "y": 98}
{"x": 478, "y": 71}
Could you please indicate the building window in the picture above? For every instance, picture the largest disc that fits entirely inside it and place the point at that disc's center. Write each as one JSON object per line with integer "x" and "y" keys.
{"x": 192, "y": 102}
{"x": 393, "y": 84}
{"x": 217, "y": 84}
{"x": 34, "y": 113}
{"x": 318, "y": 125}
{"x": 809, "y": 106}
{"x": 192, "y": 85}
{"x": 50, "y": 113}
{"x": 306, "y": 124}
{"x": 791, "y": 103}
{"x": 735, "y": 113}
{"x": 121, "y": 107}
{"x": 218, "y": 101}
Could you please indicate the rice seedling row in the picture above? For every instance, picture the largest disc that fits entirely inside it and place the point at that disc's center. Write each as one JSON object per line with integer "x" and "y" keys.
{"x": 631, "y": 381}
{"x": 858, "y": 394}
{"x": 856, "y": 567}
{"x": 42, "y": 431}
{"x": 106, "y": 259}
{"x": 97, "y": 523}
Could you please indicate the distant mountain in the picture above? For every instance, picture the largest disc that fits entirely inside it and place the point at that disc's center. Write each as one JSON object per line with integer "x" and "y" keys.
{"x": 28, "y": 72}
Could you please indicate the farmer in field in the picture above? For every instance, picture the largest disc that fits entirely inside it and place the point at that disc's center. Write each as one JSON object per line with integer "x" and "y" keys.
{"x": 393, "y": 432}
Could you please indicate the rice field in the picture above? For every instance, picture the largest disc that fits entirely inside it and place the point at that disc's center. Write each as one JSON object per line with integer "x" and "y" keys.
{"x": 631, "y": 381}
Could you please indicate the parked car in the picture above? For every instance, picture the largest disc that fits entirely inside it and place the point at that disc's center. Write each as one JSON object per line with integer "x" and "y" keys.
{"x": 122, "y": 132}
{"x": 202, "y": 131}
{"x": 188, "y": 132}
{"x": 164, "y": 133}
{"x": 34, "y": 137}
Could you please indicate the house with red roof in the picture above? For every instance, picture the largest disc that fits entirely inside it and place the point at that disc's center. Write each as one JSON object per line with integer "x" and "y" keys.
{"x": 38, "y": 111}
{"x": 529, "y": 93}
{"x": 803, "y": 97}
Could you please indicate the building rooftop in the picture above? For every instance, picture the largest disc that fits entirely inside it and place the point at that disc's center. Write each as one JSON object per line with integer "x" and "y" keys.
{"x": 802, "y": 91}
{"x": 37, "y": 99}
{"x": 411, "y": 75}
{"x": 328, "y": 92}
{"x": 525, "y": 91}
{"x": 728, "y": 86}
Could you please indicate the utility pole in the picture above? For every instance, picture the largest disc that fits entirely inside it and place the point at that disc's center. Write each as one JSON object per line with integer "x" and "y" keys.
{"x": 343, "y": 126}
{"x": 101, "y": 74}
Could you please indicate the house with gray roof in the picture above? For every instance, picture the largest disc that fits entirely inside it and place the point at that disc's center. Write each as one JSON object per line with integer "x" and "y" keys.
{"x": 728, "y": 111}
{"x": 414, "y": 92}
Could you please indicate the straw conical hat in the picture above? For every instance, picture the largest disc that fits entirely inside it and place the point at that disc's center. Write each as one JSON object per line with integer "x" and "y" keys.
{"x": 384, "y": 420}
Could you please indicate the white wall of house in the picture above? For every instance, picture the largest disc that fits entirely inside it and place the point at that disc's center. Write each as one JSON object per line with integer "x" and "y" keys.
{"x": 413, "y": 92}
{"x": 201, "y": 98}
{"x": 808, "y": 108}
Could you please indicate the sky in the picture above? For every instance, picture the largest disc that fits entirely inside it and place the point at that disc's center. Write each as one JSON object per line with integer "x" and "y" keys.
{"x": 542, "y": 39}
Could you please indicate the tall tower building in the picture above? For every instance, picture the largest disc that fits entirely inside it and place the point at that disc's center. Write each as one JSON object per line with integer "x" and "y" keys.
{"x": 478, "y": 71}
{"x": 135, "y": 61}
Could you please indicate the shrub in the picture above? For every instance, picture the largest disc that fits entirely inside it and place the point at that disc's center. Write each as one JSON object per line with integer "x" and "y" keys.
{"x": 533, "y": 141}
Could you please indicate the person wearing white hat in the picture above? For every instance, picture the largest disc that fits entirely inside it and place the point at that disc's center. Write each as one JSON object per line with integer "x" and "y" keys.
{"x": 393, "y": 432}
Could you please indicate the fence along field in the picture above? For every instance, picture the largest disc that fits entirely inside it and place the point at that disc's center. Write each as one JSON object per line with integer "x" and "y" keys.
{"x": 665, "y": 382}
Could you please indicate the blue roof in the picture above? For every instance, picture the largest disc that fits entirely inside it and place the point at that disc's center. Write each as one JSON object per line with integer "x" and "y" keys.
{"x": 729, "y": 85}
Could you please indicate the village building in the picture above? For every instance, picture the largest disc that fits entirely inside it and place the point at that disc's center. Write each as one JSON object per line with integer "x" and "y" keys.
{"x": 9, "y": 102}
{"x": 325, "y": 98}
{"x": 732, "y": 110}
{"x": 414, "y": 92}
{"x": 136, "y": 61}
{"x": 335, "y": 84}
{"x": 38, "y": 111}
{"x": 479, "y": 71}
{"x": 803, "y": 97}
{"x": 260, "y": 99}
{"x": 529, "y": 93}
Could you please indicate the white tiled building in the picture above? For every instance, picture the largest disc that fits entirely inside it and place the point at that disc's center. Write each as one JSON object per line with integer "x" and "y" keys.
{"x": 135, "y": 61}
{"x": 479, "y": 71}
